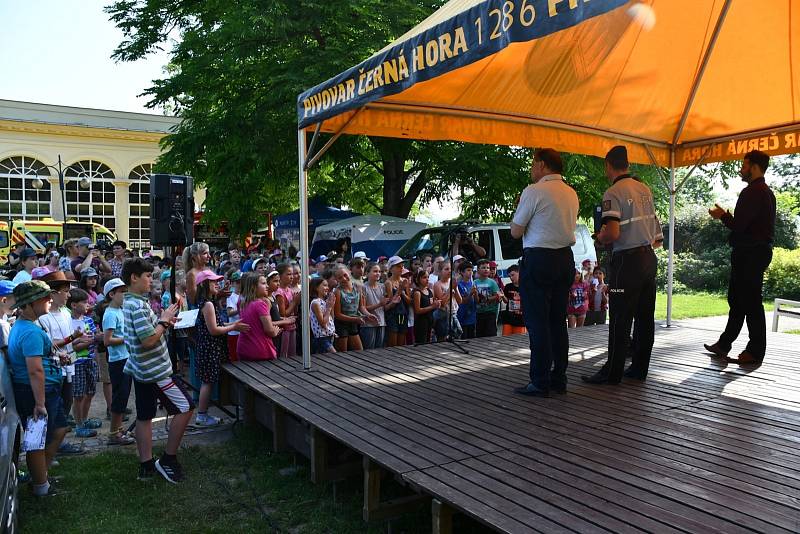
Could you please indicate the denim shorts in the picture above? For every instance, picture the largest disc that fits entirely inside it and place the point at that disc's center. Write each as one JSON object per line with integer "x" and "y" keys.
{"x": 56, "y": 418}
{"x": 321, "y": 345}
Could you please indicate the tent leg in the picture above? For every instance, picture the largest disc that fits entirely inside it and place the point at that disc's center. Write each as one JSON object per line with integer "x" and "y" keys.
{"x": 671, "y": 253}
{"x": 304, "y": 289}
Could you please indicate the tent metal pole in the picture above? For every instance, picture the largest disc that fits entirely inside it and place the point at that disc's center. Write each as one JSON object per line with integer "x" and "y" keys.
{"x": 671, "y": 254}
{"x": 304, "y": 289}
{"x": 700, "y": 73}
{"x": 696, "y": 165}
{"x": 315, "y": 158}
{"x": 656, "y": 165}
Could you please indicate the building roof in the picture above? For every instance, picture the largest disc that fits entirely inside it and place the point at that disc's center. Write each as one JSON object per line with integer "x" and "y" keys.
{"x": 13, "y": 110}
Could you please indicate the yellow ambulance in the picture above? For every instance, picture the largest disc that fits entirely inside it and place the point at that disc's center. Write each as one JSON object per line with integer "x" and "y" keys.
{"x": 37, "y": 234}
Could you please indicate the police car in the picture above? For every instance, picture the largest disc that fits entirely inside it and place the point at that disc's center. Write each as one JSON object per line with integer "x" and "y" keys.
{"x": 495, "y": 239}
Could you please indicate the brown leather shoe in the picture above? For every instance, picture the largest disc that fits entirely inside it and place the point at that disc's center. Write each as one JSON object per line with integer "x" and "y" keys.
{"x": 716, "y": 351}
{"x": 745, "y": 358}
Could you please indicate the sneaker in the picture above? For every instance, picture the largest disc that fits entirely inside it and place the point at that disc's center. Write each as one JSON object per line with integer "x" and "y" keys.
{"x": 171, "y": 473}
{"x": 120, "y": 438}
{"x": 146, "y": 472}
{"x": 70, "y": 449}
{"x": 203, "y": 419}
{"x": 93, "y": 423}
{"x": 84, "y": 432}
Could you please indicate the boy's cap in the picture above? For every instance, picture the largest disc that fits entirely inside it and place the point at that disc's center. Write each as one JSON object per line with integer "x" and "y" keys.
{"x": 207, "y": 275}
{"x": 6, "y": 288}
{"x": 493, "y": 265}
{"x": 27, "y": 252}
{"x": 382, "y": 258}
{"x": 271, "y": 274}
{"x": 321, "y": 258}
{"x": 112, "y": 284}
{"x": 405, "y": 272}
{"x": 458, "y": 257}
{"x": 259, "y": 260}
{"x": 29, "y": 292}
{"x": 165, "y": 274}
{"x": 88, "y": 272}
{"x": 395, "y": 260}
{"x": 39, "y": 273}
{"x": 84, "y": 242}
{"x": 54, "y": 254}
{"x": 360, "y": 255}
{"x": 236, "y": 275}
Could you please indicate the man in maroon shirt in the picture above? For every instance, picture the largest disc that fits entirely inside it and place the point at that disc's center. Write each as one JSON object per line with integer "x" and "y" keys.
{"x": 752, "y": 228}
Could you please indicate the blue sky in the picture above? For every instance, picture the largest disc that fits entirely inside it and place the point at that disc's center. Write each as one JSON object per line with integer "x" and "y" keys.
{"x": 58, "y": 52}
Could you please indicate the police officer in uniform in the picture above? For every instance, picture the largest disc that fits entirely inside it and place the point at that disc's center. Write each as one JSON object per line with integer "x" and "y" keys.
{"x": 631, "y": 226}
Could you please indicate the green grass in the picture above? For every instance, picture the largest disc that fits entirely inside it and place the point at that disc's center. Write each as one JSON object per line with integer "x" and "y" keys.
{"x": 792, "y": 332}
{"x": 690, "y": 305}
{"x": 234, "y": 487}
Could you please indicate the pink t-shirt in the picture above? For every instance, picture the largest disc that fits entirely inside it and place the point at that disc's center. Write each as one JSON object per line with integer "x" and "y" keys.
{"x": 288, "y": 295}
{"x": 255, "y": 344}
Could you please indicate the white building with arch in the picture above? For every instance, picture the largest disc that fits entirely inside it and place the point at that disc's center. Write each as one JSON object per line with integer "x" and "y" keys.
{"x": 113, "y": 150}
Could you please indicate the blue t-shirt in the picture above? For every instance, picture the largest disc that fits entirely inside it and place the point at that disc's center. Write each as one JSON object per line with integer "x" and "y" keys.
{"x": 468, "y": 309}
{"x": 247, "y": 266}
{"x": 29, "y": 340}
{"x": 113, "y": 320}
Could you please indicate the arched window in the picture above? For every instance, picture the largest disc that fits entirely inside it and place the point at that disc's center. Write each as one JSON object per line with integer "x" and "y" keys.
{"x": 139, "y": 202}
{"x": 19, "y": 199}
{"x": 90, "y": 193}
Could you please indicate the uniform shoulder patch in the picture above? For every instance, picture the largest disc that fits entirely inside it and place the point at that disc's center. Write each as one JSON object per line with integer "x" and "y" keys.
{"x": 606, "y": 205}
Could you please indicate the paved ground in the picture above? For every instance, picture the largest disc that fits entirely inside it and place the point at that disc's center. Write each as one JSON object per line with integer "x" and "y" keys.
{"x": 194, "y": 435}
{"x": 222, "y": 432}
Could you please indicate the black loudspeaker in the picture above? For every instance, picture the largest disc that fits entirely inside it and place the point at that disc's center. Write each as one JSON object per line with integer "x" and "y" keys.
{"x": 171, "y": 210}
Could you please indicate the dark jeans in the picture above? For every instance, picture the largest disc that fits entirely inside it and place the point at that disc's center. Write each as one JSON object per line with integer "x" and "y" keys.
{"x": 545, "y": 278}
{"x": 486, "y": 325}
{"x": 632, "y": 295}
{"x": 748, "y": 265}
{"x": 469, "y": 331}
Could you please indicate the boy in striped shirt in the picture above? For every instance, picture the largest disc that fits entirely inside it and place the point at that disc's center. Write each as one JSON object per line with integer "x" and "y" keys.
{"x": 150, "y": 366}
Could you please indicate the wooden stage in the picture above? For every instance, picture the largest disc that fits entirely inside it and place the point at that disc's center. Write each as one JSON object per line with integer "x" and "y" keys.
{"x": 698, "y": 447}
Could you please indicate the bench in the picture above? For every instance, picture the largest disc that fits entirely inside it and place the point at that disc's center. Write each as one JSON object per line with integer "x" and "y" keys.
{"x": 784, "y": 308}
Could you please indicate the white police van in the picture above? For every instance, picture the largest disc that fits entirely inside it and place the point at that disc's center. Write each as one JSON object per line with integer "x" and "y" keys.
{"x": 495, "y": 239}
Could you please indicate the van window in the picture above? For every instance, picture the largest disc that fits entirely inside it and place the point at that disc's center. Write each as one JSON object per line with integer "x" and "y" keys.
{"x": 511, "y": 248}
{"x": 485, "y": 238}
{"x": 3, "y": 239}
{"x": 424, "y": 241}
{"x": 47, "y": 237}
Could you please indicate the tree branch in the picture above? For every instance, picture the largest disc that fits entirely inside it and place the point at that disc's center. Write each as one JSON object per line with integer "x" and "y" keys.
{"x": 417, "y": 187}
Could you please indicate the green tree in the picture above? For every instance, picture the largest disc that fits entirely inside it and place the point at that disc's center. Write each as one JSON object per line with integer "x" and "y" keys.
{"x": 235, "y": 72}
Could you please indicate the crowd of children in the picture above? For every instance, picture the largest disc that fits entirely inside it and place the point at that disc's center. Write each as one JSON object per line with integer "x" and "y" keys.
{"x": 107, "y": 318}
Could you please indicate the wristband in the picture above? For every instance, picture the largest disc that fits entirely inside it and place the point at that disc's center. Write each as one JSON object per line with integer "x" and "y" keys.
{"x": 165, "y": 324}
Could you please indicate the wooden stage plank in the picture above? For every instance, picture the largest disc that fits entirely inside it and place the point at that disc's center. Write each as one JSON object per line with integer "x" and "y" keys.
{"x": 699, "y": 447}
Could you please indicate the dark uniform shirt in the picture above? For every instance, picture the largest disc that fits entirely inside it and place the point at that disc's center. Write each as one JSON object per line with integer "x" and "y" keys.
{"x": 753, "y": 221}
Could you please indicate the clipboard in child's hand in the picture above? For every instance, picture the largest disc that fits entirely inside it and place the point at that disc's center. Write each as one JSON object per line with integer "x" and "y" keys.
{"x": 35, "y": 434}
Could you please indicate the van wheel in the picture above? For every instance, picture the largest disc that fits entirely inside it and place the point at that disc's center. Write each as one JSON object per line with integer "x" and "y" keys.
{"x": 11, "y": 520}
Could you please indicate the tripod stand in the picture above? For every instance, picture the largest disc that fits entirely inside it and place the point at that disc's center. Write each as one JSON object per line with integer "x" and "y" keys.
{"x": 449, "y": 337}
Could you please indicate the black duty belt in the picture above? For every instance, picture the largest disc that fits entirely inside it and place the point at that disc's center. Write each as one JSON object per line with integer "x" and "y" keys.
{"x": 635, "y": 250}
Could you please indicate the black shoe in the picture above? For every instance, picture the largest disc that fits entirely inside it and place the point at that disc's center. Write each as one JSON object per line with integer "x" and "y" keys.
{"x": 171, "y": 472}
{"x": 630, "y": 372}
{"x": 716, "y": 351}
{"x": 598, "y": 378}
{"x": 532, "y": 391}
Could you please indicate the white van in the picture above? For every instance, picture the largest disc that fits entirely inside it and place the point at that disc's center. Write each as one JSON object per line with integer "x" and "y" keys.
{"x": 494, "y": 238}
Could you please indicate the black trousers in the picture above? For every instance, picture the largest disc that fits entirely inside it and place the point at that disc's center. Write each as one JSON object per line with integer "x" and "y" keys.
{"x": 632, "y": 295}
{"x": 545, "y": 278}
{"x": 748, "y": 265}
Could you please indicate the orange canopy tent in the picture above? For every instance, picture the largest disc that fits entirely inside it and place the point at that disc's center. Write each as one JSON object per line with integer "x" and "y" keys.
{"x": 679, "y": 82}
